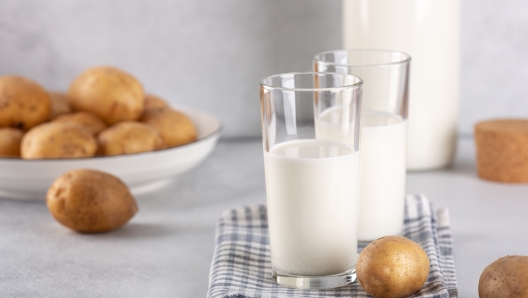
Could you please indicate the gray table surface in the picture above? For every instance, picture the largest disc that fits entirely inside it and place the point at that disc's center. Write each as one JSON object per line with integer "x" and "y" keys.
{"x": 166, "y": 250}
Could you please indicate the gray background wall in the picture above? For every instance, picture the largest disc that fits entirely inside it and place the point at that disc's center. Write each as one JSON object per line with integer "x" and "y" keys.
{"x": 212, "y": 54}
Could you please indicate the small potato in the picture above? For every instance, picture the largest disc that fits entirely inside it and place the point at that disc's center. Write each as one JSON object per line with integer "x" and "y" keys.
{"x": 23, "y": 103}
{"x": 129, "y": 137}
{"x": 58, "y": 140}
{"x": 505, "y": 278}
{"x": 392, "y": 267}
{"x": 175, "y": 128}
{"x": 59, "y": 104}
{"x": 10, "y": 139}
{"x": 109, "y": 93}
{"x": 90, "y": 201}
{"x": 154, "y": 102}
{"x": 87, "y": 120}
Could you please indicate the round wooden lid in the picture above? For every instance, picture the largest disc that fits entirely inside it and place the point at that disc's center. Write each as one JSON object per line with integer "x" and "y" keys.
{"x": 504, "y": 125}
{"x": 502, "y": 150}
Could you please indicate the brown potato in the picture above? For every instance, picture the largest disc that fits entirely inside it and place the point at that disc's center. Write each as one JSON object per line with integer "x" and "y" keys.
{"x": 109, "y": 93}
{"x": 23, "y": 103}
{"x": 392, "y": 267}
{"x": 505, "y": 278}
{"x": 129, "y": 137}
{"x": 10, "y": 139}
{"x": 59, "y": 104}
{"x": 175, "y": 128}
{"x": 90, "y": 201}
{"x": 58, "y": 140}
{"x": 87, "y": 120}
{"x": 154, "y": 102}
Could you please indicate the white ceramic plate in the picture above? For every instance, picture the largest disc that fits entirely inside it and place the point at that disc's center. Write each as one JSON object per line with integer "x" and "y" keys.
{"x": 142, "y": 172}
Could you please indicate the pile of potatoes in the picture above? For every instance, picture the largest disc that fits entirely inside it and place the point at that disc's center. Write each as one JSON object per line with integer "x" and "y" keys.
{"x": 104, "y": 112}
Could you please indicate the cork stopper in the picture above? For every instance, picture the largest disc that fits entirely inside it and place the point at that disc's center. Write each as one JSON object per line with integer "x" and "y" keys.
{"x": 502, "y": 150}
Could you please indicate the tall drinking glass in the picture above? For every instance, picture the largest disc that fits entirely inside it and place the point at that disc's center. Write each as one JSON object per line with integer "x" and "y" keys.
{"x": 312, "y": 184}
{"x": 383, "y": 134}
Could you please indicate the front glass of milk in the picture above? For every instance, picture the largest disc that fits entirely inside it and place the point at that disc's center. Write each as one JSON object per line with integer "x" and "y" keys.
{"x": 312, "y": 184}
{"x": 383, "y": 133}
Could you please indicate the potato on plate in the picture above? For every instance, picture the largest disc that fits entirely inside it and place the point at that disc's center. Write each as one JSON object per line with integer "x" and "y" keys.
{"x": 154, "y": 102}
{"x": 87, "y": 120}
{"x": 392, "y": 267}
{"x": 58, "y": 140}
{"x": 90, "y": 201}
{"x": 109, "y": 93}
{"x": 505, "y": 278}
{"x": 175, "y": 127}
{"x": 23, "y": 103}
{"x": 10, "y": 139}
{"x": 129, "y": 137}
{"x": 59, "y": 104}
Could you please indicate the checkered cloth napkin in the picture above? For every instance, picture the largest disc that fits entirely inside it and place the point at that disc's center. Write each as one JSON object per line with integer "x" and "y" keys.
{"x": 241, "y": 266}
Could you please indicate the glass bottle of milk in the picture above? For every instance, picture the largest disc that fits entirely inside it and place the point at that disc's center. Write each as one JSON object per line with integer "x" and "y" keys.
{"x": 427, "y": 30}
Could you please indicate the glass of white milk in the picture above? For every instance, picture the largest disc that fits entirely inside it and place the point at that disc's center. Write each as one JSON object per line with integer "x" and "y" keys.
{"x": 312, "y": 184}
{"x": 383, "y": 133}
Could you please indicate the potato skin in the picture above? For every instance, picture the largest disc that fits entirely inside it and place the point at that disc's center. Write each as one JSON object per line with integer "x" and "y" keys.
{"x": 90, "y": 201}
{"x": 109, "y": 93}
{"x": 175, "y": 127}
{"x": 10, "y": 139}
{"x": 58, "y": 140}
{"x": 392, "y": 267}
{"x": 153, "y": 102}
{"x": 59, "y": 104}
{"x": 129, "y": 137}
{"x": 23, "y": 103}
{"x": 87, "y": 120}
{"x": 505, "y": 278}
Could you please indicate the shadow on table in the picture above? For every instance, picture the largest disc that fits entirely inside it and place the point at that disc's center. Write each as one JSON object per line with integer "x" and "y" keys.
{"x": 136, "y": 230}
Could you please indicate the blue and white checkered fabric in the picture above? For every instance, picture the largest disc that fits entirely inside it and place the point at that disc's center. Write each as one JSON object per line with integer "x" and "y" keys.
{"x": 241, "y": 266}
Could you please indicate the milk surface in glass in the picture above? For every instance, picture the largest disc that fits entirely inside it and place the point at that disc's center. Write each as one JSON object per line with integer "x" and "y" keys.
{"x": 383, "y": 145}
{"x": 308, "y": 180}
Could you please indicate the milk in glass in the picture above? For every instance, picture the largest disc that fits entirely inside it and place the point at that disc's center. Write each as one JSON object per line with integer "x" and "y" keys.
{"x": 312, "y": 196}
{"x": 382, "y": 186}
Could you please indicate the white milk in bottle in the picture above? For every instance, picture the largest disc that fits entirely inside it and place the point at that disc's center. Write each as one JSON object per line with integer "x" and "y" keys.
{"x": 307, "y": 180}
{"x": 427, "y": 30}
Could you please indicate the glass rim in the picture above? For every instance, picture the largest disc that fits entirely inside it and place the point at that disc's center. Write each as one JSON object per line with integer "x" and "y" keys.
{"x": 406, "y": 57}
{"x": 357, "y": 84}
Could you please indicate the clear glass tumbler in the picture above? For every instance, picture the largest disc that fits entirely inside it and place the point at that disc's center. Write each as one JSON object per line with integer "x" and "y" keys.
{"x": 312, "y": 184}
{"x": 383, "y": 134}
